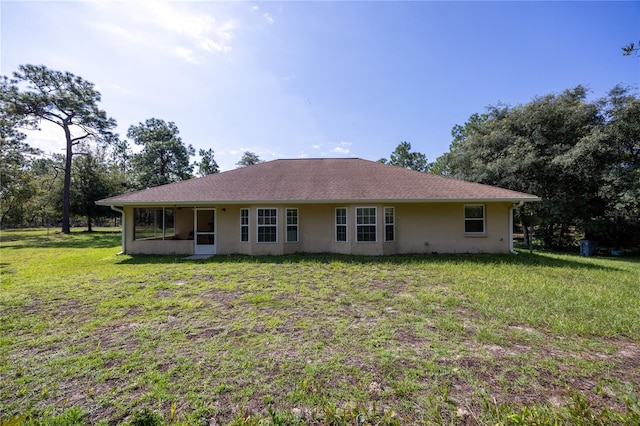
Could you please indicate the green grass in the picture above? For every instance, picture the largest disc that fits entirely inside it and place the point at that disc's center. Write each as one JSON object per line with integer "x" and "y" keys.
{"x": 87, "y": 336}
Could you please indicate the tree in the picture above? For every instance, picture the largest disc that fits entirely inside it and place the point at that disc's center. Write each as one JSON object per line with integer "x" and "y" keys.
{"x": 631, "y": 48}
{"x": 550, "y": 147}
{"x": 164, "y": 157}
{"x": 248, "y": 159}
{"x": 66, "y": 100}
{"x": 90, "y": 183}
{"x": 403, "y": 157}
{"x": 45, "y": 206}
{"x": 207, "y": 164}
{"x": 621, "y": 174}
{"x": 16, "y": 185}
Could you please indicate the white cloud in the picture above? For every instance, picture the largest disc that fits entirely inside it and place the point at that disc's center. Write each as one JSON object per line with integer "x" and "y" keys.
{"x": 171, "y": 27}
{"x": 125, "y": 33}
{"x": 267, "y": 16}
{"x": 186, "y": 54}
{"x": 196, "y": 26}
{"x": 342, "y": 148}
{"x": 212, "y": 46}
{"x": 50, "y": 138}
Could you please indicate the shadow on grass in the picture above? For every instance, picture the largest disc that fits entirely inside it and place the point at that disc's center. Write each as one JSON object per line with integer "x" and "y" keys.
{"x": 105, "y": 238}
{"x": 523, "y": 259}
{"x": 21, "y": 239}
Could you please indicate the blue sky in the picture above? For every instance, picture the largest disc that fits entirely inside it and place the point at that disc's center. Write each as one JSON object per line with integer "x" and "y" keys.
{"x": 319, "y": 79}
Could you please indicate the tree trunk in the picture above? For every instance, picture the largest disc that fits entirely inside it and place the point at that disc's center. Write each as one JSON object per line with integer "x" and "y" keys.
{"x": 6, "y": 211}
{"x": 66, "y": 189}
{"x": 525, "y": 234}
{"x": 89, "y": 228}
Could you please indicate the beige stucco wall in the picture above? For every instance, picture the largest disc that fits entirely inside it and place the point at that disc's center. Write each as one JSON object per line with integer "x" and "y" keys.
{"x": 439, "y": 228}
{"x": 419, "y": 228}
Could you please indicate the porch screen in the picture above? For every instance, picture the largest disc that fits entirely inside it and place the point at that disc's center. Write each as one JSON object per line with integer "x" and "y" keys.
{"x": 153, "y": 223}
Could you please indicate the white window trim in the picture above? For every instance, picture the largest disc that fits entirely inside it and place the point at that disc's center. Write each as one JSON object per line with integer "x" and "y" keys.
{"x": 248, "y": 225}
{"x": 287, "y": 225}
{"x": 375, "y": 215}
{"x": 258, "y": 226}
{"x": 484, "y": 219}
{"x": 345, "y": 224}
{"x": 393, "y": 224}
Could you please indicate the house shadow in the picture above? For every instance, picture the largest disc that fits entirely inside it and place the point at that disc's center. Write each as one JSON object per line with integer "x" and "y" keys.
{"x": 524, "y": 259}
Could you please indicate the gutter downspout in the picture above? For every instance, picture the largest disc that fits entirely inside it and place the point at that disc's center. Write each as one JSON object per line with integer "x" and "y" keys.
{"x": 511, "y": 209}
{"x": 121, "y": 211}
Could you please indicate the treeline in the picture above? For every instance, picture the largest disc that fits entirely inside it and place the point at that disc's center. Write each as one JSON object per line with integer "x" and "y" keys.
{"x": 53, "y": 189}
{"x": 581, "y": 156}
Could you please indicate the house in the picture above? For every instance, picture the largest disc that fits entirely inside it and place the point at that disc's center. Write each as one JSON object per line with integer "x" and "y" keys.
{"x": 336, "y": 205}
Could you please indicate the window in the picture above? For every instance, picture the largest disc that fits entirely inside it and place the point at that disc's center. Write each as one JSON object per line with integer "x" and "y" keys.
{"x": 153, "y": 223}
{"x": 474, "y": 219}
{"x": 366, "y": 228}
{"x": 267, "y": 225}
{"x": 341, "y": 224}
{"x": 244, "y": 225}
{"x": 389, "y": 224}
{"x": 292, "y": 225}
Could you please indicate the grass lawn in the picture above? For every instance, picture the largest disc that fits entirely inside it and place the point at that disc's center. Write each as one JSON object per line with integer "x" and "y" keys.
{"x": 87, "y": 336}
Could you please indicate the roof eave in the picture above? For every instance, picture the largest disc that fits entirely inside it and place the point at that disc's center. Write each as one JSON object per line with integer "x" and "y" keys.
{"x": 194, "y": 203}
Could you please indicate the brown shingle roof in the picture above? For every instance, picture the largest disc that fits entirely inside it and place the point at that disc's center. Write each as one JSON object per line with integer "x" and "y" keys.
{"x": 318, "y": 180}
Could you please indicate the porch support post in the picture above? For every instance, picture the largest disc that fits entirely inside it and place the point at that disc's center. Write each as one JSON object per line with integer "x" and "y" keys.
{"x": 122, "y": 226}
{"x": 512, "y": 209}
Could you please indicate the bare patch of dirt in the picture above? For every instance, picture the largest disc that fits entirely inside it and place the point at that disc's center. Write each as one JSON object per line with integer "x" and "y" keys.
{"x": 516, "y": 374}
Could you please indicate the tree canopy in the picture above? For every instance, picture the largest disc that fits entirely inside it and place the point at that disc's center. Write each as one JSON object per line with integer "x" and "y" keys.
{"x": 164, "y": 158}
{"x": 92, "y": 181}
{"x": 631, "y": 48}
{"x": 37, "y": 93}
{"x": 16, "y": 156}
{"x": 248, "y": 159}
{"x": 207, "y": 164}
{"x": 580, "y": 156}
{"x": 403, "y": 157}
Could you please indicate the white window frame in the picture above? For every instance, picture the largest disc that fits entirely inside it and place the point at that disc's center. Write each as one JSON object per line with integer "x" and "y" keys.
{"x": 482, "y": 219}
{"x": 345, "y": 224}
{"x": 362, "y": 225}
{"x": 267, "y": 225}
{"x": 391, "y": 224}
{"x": 245, "y": 224}
{"x": 295, "y": 225}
